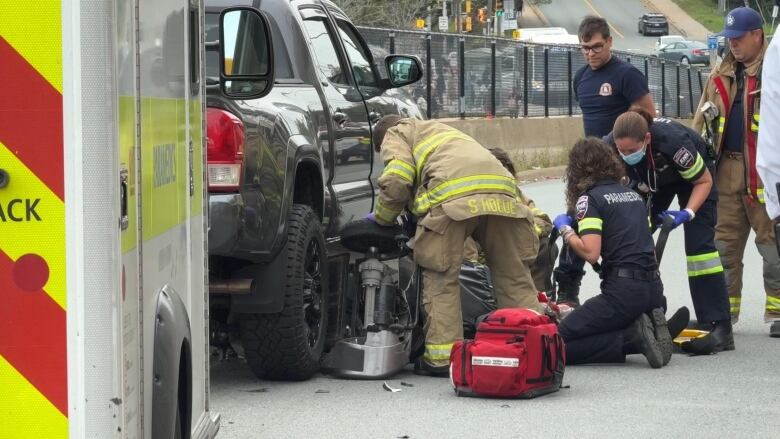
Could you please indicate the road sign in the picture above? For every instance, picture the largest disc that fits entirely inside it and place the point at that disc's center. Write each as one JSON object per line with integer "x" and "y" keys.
{"x": 420, "y": 23}
{"x": 444, "y": 23}
{"x": 712, "y": 42}
{"x": 510, "y": 24}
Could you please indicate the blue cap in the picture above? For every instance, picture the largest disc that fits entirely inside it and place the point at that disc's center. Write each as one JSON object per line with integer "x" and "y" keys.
{"x": 740, "y": 21}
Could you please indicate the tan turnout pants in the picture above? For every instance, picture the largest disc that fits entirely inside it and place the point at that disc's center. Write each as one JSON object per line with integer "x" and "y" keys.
{"x": 510, "y": 245}
{"x": 737, "y": 215}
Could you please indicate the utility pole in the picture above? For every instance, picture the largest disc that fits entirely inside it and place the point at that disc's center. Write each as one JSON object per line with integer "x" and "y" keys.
{"x": 490, "y": 17}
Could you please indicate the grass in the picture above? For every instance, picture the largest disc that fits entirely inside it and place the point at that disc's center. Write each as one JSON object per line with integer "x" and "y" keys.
{"x": 538, "y": 158}
{"x": 706, "y": 13}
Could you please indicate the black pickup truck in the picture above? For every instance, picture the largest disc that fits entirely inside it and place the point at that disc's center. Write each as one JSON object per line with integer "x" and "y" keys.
{"x": 290, "y": 161}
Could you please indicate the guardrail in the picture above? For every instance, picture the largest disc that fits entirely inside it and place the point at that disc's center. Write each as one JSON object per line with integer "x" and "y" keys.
{"x": 476, "y": 76}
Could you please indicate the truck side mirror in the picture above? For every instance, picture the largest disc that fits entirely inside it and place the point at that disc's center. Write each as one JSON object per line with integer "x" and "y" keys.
{"x": 246, "y": 59}
{"x": 403, "y": 70}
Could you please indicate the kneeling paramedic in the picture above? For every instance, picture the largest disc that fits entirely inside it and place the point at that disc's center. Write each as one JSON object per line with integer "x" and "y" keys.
{"x": 667, "y": 159}
{"x": 457, "y": 189}
{"x": 627, "y": 317}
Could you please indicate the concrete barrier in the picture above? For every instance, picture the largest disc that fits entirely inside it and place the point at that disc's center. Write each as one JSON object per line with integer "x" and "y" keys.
{"x": 531, "y": 142}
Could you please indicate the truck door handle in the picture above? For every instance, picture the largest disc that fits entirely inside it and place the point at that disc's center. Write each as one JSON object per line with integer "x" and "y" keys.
{"x": 340, "y": 118}
{"x": 124, "y": 220}
{"x": 374, "y": 116}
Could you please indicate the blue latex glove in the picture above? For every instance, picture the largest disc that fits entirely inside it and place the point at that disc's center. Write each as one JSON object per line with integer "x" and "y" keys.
{"x": 562, "y": 220}
{"x": 372, "y": 217}
{"x": 680, "y": 216}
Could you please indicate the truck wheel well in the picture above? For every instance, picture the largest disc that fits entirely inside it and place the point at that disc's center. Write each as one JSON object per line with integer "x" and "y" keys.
{"x": 308, "y": 188}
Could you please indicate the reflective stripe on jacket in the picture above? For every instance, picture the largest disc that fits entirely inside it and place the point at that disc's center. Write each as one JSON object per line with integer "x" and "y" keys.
{"x": 723, "y": 79}
{"x": 428, "y": 163}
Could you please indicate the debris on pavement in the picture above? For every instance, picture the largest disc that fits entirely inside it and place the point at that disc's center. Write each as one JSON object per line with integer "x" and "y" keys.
{"x": 388, "y": 388}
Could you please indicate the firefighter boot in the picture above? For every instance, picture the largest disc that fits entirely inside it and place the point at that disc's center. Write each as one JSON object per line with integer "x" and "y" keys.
{"x": 639, "y": 337}
{"x": 662, "y": 335}
{"x": 422, "y": 367}
{"x": 720, "y": 338}
{"x": 568, "y": 287}
{"x": 774, "y": 330}
{"x": 678, "y": 321}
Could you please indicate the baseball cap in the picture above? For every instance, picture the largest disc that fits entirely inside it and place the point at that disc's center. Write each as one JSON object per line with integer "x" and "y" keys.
{"x": 740, "y": 21}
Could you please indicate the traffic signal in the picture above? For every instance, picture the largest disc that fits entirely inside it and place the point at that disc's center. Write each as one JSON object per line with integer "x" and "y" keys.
{"x": 468, "y": 6}
{"x": 499, "y": 8}
{"x": 467, "y": 23}
{"x": 482, "y": 15}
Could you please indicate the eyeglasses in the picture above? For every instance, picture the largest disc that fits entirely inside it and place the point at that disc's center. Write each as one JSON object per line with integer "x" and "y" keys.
{"x": 596, "y": 48}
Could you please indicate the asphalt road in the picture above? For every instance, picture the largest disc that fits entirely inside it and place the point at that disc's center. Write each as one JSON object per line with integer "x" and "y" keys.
{"x": 622, "y": 16}
{"x": 731, "y": 394}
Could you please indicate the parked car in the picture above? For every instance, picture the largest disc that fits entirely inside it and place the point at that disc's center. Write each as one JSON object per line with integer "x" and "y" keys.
{"x": 667, "y": 39}
{"x": 686, "y": 52}
{"x": 281, "y": 182}
{"x": 653, "y": 23}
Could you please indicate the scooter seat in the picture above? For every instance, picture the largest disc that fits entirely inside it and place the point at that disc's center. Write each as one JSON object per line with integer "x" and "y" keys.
{"x": 361, "y": 235}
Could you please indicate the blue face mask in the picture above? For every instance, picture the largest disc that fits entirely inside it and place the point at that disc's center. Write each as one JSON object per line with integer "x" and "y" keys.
{"x": 635, "y": 157}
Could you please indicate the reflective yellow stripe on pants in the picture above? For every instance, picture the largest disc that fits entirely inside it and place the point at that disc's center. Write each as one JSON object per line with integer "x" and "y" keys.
{"x": 721, "y": 124}
{"x": 463, "y": 186}
{"x": 735, "y": 303}
{"x": 704, "y": 264}
{"x": 773, "y": 304}
{"x": 437, "y": 353}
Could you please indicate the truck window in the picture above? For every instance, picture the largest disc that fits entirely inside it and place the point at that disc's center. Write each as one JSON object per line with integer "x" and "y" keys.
{"x": 358, "y": 55}
{"x": 325, "y": 53}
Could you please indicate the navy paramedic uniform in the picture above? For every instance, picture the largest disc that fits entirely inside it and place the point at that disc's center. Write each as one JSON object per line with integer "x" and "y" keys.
{"x": 676, "y": 158}
{"x": 603, "y": 95}
{"x": 631, "y": 285}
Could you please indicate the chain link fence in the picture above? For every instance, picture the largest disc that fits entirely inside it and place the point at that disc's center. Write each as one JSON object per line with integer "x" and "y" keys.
{"x": 476, "y": 76}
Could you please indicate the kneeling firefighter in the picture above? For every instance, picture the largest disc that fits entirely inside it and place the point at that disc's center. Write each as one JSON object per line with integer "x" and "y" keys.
{"x": 457, "y": 189}
{"x": 628, "y": 316}
{"x": 545, "y": 260}
{"x": 667, "y": 159}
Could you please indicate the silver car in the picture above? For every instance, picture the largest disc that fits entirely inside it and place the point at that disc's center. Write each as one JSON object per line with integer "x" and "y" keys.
{"x": 685, "y": 52}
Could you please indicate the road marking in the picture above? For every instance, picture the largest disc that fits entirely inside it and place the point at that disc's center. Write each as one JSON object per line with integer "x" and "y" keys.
{"x": 590, "y": 5}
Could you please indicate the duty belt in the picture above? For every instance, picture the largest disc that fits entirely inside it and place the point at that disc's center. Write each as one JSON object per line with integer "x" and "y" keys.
{"x": 630, "y": 273}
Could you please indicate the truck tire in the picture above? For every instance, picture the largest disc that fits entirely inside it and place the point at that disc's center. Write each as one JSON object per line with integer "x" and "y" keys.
{"x": 288, "y": 345}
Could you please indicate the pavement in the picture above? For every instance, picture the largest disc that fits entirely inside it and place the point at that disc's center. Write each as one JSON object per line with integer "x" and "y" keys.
{"x": 687, "y": 26}
{"x": 731, "y": 394}
{"x": 622, "y": 16}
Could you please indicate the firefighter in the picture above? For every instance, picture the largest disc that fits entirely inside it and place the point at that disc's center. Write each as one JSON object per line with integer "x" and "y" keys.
{"x": 734, "y": 88}
{"x": 545, "y": 259}
{"x": 457, "y": 189}
{"x": 628, "y": 316}
{"x": 666, "y": 160}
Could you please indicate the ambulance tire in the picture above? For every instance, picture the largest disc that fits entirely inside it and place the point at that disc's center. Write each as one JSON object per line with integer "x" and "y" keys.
{"x": 178, "y": 433}
{"x": 288, "y": 345}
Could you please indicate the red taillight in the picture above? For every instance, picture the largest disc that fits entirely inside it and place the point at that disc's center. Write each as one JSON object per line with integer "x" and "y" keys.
{"x": 698, "y": 52}
{"x": 225, "y": 154}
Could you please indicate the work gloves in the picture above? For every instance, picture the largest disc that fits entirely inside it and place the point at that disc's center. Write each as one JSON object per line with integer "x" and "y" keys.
{"x": 679, "y": 216}
{"x": 562, "y": 220}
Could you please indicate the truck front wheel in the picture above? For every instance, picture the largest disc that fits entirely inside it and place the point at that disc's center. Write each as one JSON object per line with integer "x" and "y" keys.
{"x": 288, "y": 345}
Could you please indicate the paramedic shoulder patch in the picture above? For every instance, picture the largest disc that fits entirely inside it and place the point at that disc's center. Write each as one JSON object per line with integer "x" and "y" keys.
{"x": 683, "y": 158}
{"x": 582, "y": 207}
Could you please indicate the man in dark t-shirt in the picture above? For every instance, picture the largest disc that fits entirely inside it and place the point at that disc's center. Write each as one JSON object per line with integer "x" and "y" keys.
{"x": 605, "y": 87}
